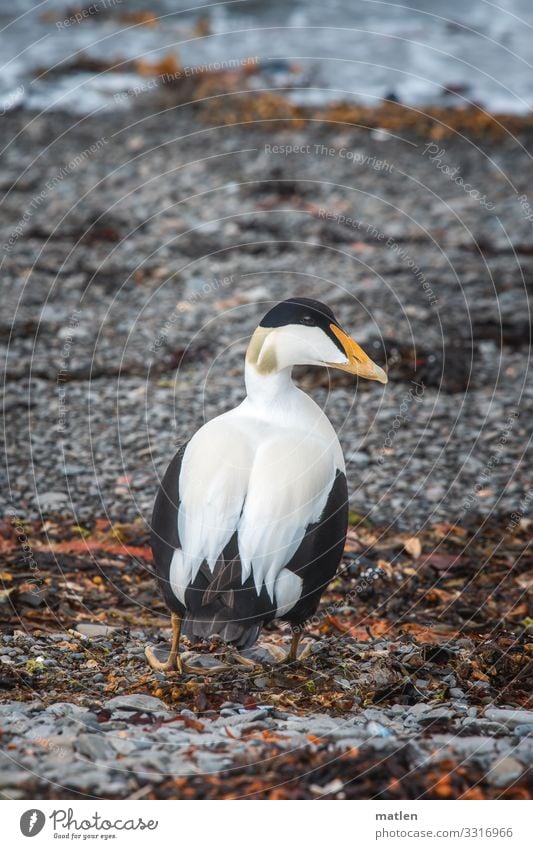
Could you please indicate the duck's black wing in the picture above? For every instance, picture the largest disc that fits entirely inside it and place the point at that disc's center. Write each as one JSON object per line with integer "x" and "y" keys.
{"x": 320, "y": 552}
{"x": 164, "y": 529}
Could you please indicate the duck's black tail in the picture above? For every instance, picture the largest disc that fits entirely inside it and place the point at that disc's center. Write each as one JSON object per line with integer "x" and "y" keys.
{"x": 239, "y": 634}
{"x": 219, "y": 603}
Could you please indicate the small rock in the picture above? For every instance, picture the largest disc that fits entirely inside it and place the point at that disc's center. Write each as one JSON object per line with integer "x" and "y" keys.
{"x": 123, "y": 746}
{"x": 334, "y": 786}
{"x": 484, "y": 726}
{"x": 51, "y": 500}
{"x": 456, "y": 693}
{"x": 481, "y": 685}
{"x": 14, "y": 778}
{"x": 33, "y": 598}
{"x": 465, "y": 643}
{"x": 376, "y": 729}
{"x": 510, "y": 717}
{"x": 248, "y": 717}
{"x": 93, "y": 746}
{"x": 256, "y": 725}
{"x": 137, "y": 702}
{"x": 377, "y": 715}
{"x": 63, "y": 709}
{"x": 435, "y": 716}
{"x": 208, "y": 762}
{"x": 524, "y": 730}
{"x": 504, "y": 771}
{"x": 359, "y": 457}
{"x": 471, "y": 746}
{"x": 98, "y": 780}
{"x": 95, "y": 629}
{"x": 417, "y": 709}
{"x": 73, "y": 469}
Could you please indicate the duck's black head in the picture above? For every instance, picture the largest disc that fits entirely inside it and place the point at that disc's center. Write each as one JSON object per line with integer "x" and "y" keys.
{"x": 302, "y": 331}
{"x": 304, "y": 311}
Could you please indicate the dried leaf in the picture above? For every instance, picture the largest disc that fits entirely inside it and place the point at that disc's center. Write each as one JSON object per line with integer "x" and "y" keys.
{"x": 167, "y": 65}
{"x": 442, "y": 562}
{"x": 525, "y": 581}
{"x": 413, "y": 546}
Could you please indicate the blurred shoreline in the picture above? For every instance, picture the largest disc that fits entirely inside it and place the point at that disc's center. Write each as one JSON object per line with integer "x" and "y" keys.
{"x": 77, "y": 57}
{"x": 241, "y": 90}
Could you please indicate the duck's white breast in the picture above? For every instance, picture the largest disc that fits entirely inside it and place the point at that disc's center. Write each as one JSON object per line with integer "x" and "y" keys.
{"x": 263, "y": 472}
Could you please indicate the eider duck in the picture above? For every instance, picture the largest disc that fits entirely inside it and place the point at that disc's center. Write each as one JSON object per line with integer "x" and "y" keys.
{"x": 250, "y": 520}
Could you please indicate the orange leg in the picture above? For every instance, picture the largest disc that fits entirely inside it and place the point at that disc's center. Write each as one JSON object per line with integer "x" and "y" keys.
{"x": 173, "y": 662}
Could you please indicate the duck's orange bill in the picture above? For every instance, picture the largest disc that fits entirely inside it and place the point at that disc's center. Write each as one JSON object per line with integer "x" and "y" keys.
{"x": 358, "y": 363}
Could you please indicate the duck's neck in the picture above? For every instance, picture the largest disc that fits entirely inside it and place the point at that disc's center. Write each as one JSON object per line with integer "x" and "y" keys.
{"x": 267, "y": 385}
{"x": 267, "y": 389}
{"x": 274, "y": 399}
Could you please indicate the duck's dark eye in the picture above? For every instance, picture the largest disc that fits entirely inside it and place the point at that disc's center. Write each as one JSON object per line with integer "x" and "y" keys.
{"x": 307, "y": 319}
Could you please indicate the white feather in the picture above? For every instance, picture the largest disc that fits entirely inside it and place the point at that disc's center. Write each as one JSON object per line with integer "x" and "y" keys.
{"x": 290, "y": 480}
{"x": 212, "y": 488}
{"x": 179, "y": 575}
{"x": 288, "y": 591}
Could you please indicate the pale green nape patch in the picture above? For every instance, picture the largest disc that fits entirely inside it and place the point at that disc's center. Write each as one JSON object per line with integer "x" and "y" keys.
{"x": 264, "y": 362}
{"x": 269, "y": 363}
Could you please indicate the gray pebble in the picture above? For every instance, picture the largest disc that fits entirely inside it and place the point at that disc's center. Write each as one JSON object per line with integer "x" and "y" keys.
{"x": 14, "y": 778}
{"x": 93, "y": 746}
{"x": 524, "y": 730}
{"x": 510, "y": 717}
{"x": 61, "y": 709}
{"x": 434, "y": 716}
{"x": 95, "y": 629}
{"x": 52, "y": 500}
{"x": 376, "y": 729}
{"x": 137, "y": 702}
{"x": 504, "y": 771}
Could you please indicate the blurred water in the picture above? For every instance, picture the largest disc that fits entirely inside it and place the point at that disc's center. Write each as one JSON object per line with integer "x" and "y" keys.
{"x": 349, "y": 49}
